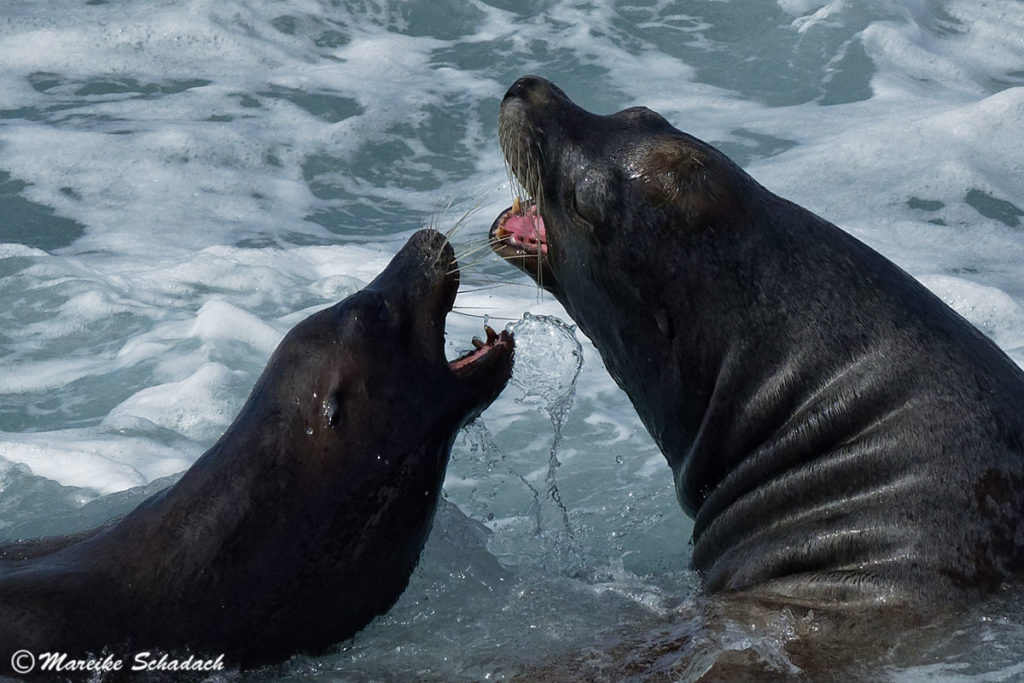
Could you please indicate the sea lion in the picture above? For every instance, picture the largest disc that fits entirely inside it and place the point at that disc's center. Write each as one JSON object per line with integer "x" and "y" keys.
{"x": 842, "y": 438}
{"x": 305, "y": 519}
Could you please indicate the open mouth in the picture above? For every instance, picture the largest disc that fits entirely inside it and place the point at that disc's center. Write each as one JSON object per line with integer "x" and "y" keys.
{"x": 495, "y": 352}
{"x": 519, "y": 236}
{"x": 519, "y": 231}
{"x": 423, "y": 279}
{"x": 499, "y": 344}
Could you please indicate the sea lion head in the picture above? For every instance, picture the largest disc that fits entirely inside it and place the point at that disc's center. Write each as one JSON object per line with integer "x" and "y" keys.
{"x": 595, "y": 185}
{"x": 372, "y": 368}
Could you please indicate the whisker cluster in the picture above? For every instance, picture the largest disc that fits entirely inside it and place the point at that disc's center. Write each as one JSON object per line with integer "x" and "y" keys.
{"x": 524, "y": 159}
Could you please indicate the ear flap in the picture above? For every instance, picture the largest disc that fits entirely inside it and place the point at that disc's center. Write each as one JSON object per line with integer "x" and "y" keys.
{"x": 677, "y": 175}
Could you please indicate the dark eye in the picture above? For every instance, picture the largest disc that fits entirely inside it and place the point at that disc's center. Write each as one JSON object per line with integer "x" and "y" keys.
{"x": 383, "y": 311}
{"x": 367, "y": 307}
{"x": 588, "y": 197}
{"x": 377, "y": 308}
{"x": 579, "y": 209}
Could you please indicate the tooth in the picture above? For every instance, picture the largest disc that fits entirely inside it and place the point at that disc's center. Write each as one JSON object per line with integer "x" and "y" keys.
{"x": 492, "y": 336}
{"x": 517, "y": 209}
{"x": 477, "y": 344}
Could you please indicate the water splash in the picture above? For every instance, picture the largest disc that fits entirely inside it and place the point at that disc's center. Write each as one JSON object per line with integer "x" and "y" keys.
{"x": 488, "y": 467}
{"x": 549, "y": 360}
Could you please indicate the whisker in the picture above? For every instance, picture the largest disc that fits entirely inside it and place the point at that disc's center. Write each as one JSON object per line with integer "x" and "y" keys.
{"x": 520, "y": 257}
{"x": 482, "y": 317}
{"x": 481, "y": 282}
{"x": 492, "y": 284}
{"x": 469, "y": 212}
{"x": 524, "y": 160}
{"x": 482, "y": 248}
{"x": 479, "y": 259}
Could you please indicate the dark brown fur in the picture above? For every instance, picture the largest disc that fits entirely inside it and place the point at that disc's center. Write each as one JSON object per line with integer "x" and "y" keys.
{"x": 844, "y": 440}
{"x": 306, "y": 518}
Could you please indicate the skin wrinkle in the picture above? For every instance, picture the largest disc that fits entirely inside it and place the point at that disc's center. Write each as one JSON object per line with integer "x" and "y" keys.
{"x": 808, "y": 415}
{"x": 823, "y": 550}
{"x": 744, "y": 521}
{"x": 805, "y": 422}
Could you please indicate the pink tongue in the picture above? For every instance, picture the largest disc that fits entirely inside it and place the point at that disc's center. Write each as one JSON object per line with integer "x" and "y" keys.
{"x": 527, "y": 230}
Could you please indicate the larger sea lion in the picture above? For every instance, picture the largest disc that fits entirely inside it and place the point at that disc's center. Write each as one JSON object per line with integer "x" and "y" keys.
{"x": 842, "y": 437}
{"x": 306, "y": 518}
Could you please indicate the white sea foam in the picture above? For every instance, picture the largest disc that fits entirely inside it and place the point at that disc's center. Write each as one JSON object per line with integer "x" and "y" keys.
{"x": 180, "y": 183}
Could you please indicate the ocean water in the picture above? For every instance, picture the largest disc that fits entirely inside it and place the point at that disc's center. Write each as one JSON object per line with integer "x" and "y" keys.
{"x": 181, "y": 182}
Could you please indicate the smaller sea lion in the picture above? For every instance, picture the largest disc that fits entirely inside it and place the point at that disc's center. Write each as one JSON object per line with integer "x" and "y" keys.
{"x": 306, "y": 518}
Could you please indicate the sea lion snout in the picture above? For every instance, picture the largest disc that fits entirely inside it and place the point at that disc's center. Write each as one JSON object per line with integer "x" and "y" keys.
{"x": 535, "y": 91}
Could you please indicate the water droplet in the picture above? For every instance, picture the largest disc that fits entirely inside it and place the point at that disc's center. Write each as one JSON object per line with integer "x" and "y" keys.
{"x": 549, "y": 359}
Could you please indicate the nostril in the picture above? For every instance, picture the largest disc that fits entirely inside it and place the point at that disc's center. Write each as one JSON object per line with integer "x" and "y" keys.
{"x": 435, "y": 240}
{"x": 522, "y": 87}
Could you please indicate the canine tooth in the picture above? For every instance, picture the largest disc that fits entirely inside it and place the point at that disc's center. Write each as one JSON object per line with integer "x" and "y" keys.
{"x": 517, "y": 209}
{"x": 477, "y": 344}
{"x": 492, "y": 336}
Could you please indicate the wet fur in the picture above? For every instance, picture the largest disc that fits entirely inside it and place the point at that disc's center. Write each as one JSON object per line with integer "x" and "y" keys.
{"x": 846, "y": 443}
{"x": 306, "y": 518}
